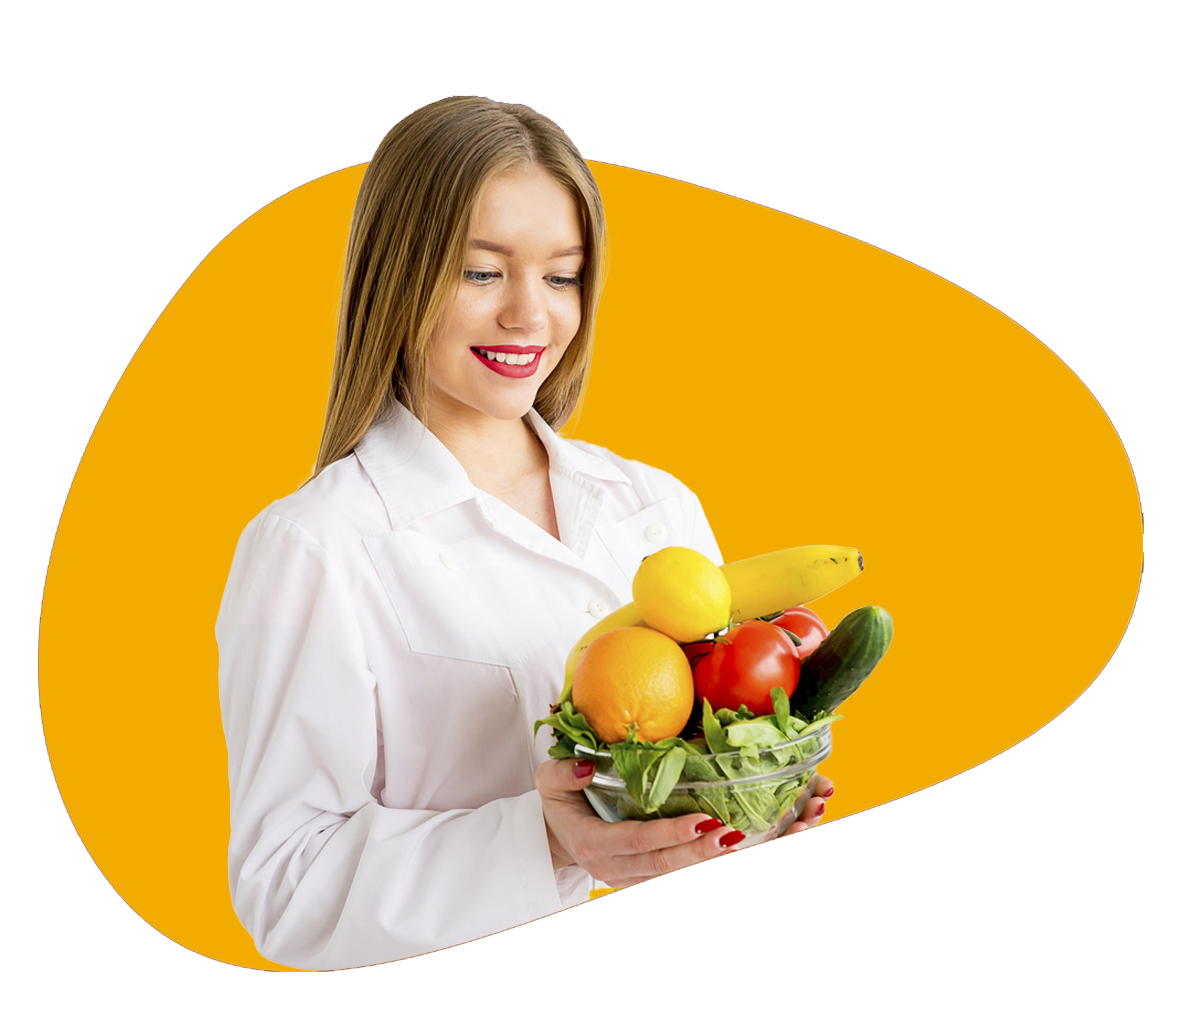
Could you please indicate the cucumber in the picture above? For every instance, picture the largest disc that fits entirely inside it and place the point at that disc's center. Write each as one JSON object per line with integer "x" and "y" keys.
{"x": 842, "y": 662}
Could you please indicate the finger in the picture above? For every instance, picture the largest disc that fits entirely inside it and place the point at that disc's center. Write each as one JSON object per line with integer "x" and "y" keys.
{"x": 640, "y": 838}
{"x": 822, "y": 787}
{"x": 809, "y": 816}
{"x": 625, "y": 871}
{"x": 557, "y": 775}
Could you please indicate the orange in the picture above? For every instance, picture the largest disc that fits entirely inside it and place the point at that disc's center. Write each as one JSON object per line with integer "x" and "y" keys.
{"x": 634, "y": 679}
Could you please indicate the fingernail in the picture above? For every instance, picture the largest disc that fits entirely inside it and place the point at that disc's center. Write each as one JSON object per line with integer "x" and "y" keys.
{"x": 829, "y": 793}
{"x": 584, "y": 768}
{"x": 708, "y": 825}
{"x": 732, "y": 838}
{"x": 819, "y": 812}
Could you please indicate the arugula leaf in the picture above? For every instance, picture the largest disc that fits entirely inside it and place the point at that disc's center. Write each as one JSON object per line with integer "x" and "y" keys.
{"x": 727, "y": 716}
{"x": 782, "y": 710}
{"x": 819, "y": 722}
{"x": 570, "y": 728}
{"x": 754, "y": 733}
{"x": 730, "y": 763}
{"x": 562, "y": 748}
{"x": 752, "y": 802}
{"x": 667, "y": 774}
{"x": 743, "y": 746}
{"x": 715, "y": 737}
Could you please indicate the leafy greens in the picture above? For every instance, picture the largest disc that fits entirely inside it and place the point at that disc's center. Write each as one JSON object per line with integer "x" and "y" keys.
{"x": 746, "y": 749}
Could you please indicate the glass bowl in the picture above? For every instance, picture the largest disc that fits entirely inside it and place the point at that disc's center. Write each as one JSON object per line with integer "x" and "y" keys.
{"x": 758, "y": 791}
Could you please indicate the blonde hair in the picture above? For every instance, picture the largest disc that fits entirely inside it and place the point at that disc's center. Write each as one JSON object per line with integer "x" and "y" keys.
{"x": 407, "y": 249}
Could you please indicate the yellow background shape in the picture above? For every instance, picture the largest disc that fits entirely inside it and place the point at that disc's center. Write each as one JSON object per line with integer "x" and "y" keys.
{"x": 809, "y": 387}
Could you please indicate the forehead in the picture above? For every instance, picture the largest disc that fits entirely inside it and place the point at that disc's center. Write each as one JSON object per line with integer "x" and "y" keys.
{"x": 527, "y": 201}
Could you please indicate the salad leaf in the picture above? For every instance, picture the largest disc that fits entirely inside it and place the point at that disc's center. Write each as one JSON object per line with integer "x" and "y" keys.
{"x": 570, "y": 728}
{"x": 782, "y": 710}
{"x": 648, "y": 770}
{"x": 754, "y": 733}
{"x": 819, "y": 722}
{"x": 743, "y": 746}
{"x": 668, "y": 772}
{"x": 715, "y": 737}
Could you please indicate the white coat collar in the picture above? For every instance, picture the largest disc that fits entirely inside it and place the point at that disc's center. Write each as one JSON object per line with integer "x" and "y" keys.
{"x": 569, "y": 459}
{"x": 416, "y": 474}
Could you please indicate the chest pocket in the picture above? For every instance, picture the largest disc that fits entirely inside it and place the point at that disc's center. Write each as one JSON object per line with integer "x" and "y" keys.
{"x": 469, "y": 599}
{"x": 653, "y": 528}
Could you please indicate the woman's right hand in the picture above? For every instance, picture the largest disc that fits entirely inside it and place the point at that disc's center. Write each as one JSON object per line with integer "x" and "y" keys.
{"x": 620, "y": 854}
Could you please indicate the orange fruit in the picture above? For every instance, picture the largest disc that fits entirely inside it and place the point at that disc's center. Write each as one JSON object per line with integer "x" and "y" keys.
{"x": 682, "y": 593}
{"x": 634, "y": 679}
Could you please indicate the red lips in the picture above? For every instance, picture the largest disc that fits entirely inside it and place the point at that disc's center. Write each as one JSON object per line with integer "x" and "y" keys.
{"x": 511, "y": 370}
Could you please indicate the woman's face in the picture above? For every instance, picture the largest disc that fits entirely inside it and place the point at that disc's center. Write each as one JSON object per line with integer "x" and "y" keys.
{"x": 519, "y": 304}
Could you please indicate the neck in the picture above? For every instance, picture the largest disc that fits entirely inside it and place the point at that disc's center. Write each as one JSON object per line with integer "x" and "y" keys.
{"x": 491, "y": 451}
{"x": 501, "y": 457}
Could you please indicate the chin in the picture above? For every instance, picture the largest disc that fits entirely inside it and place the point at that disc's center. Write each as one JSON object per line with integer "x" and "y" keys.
{"x": 503, "y": 407}
{"x": 508, "y": 410}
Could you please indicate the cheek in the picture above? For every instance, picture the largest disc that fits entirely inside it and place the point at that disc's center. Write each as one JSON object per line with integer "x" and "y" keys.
{"x": 571, "y": 318}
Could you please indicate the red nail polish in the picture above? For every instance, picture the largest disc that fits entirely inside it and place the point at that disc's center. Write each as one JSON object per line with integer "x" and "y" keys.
{"x": 584, "y": 768}
{"x": 732, "y": 838}
{"x": 829, "y": 793}
{"x": 708, "y": 825}
{"x": 820, "y": 811}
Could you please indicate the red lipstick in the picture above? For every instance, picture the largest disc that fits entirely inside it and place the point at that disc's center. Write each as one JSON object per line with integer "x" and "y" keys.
{"x": 510, "y": 370}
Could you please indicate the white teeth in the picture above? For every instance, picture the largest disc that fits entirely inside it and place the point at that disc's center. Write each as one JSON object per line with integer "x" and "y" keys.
{"x": 512, "y": 359}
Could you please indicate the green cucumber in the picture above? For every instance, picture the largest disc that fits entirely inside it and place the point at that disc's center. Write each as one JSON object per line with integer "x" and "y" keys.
{"x": 842, "y": 661}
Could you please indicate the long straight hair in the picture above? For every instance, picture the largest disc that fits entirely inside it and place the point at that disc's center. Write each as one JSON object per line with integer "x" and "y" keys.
{"x": 408, "y": 246}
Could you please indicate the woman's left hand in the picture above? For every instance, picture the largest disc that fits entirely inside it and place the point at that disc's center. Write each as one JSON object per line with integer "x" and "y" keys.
{"x": 821, "y": 789}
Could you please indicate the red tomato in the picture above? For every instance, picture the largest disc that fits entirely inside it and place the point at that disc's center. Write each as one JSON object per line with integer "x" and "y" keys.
{"x": 805, "y": 625}
{"x": 744, "y": 665}
{"x": 694, "y": 650}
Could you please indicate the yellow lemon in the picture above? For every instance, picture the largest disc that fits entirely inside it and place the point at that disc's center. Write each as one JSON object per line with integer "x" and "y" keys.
{"x": 679, "y": 592}
{"x": 634, "y": 679}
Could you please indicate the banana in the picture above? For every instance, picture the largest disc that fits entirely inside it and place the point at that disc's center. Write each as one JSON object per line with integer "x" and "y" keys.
{"x": 759, "y": 586}
{"x": 779, "y": 580}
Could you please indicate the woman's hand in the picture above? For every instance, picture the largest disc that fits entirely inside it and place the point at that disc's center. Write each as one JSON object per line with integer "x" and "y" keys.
{"x": 622, "y": 854}
{"x": 820, "y": 789}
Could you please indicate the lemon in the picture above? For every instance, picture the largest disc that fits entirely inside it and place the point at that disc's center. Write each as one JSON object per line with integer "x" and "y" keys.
{"x": 679, "y": 592}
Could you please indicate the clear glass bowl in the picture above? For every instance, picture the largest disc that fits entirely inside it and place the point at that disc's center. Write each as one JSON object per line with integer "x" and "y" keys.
{"x": 758, "y": 791}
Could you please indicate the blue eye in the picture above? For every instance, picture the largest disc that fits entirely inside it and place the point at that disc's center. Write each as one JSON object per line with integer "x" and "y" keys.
{"x": 480, "y": 277}
{"x": 565, "y": 283}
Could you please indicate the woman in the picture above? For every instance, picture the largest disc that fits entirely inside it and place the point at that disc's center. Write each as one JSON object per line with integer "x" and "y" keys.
{"x": 390, "y": 632}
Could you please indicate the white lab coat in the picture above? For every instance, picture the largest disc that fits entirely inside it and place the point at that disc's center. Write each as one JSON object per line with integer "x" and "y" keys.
{"x": 388, "y": 636}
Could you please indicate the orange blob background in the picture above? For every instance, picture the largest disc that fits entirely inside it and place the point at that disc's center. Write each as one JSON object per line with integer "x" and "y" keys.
{"x": 809, "y": 387}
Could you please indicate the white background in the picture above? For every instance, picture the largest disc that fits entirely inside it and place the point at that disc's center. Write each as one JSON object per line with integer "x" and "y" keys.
{"x": 1025, "y": 151}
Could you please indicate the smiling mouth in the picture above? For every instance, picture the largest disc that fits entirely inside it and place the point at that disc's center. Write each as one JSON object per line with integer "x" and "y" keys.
{"x": 514, "y": 358}
{"x": 510, "y": 361}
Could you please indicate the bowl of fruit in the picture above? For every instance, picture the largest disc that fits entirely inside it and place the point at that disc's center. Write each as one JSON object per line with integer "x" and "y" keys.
{"x": 715, "y": 691}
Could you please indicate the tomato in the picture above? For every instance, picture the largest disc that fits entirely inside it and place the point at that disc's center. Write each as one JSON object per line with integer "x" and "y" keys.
{"x": 744, "y": 665}
{"x": 694, "y": 650}
{"x": 805, "y": 625}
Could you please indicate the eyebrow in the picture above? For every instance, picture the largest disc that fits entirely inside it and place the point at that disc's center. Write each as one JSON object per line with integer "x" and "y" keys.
{"x": 495, "y": 247}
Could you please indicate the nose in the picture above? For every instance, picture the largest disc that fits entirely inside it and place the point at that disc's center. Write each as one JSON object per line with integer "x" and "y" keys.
{"x": 523, "y": 308}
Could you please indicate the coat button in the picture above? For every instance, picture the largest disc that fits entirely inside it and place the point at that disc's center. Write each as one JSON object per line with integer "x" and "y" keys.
{"x": 597, "y": 608}
{"x": 448, "y": 561}
{"x": 656, "y": 533}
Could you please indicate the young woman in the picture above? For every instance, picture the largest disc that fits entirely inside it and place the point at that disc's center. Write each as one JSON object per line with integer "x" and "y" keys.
{"x": 390, "y": 632}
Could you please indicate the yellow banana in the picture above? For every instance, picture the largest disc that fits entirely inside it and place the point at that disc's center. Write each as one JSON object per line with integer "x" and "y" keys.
{"x": 759, "y": 586}
{"x": 779, "y": 580}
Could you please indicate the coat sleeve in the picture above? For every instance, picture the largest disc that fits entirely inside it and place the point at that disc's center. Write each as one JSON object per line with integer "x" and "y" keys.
{"x": 323, "y": 875}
